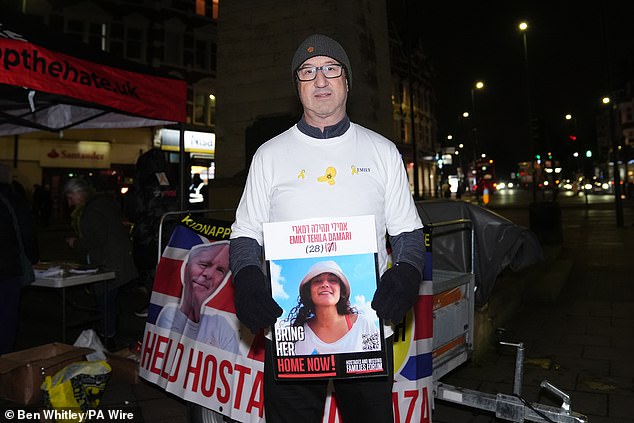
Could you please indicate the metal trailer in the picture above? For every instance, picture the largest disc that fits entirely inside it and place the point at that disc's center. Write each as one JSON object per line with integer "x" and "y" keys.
{"x": 454, "y": 312}
{"x": 453, "y": 328}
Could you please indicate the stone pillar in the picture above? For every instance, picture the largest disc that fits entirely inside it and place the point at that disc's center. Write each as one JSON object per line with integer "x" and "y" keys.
{"x": 256, "y": 42}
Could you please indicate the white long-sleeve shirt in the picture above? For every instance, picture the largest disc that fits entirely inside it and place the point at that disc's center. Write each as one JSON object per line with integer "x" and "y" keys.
{"x": 294, "y": 176}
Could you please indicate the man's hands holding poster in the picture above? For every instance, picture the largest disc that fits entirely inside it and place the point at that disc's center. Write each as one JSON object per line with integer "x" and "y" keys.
{"x": 255, "y": 307}
{"x": 397, "y": 292}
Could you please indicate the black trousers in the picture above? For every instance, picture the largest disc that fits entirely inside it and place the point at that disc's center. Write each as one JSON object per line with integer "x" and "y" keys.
{"x": 360, "y": 400}
{"x": 9, "y": 312}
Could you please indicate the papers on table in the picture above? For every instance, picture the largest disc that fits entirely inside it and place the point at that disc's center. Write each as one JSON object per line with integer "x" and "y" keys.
{"x": 46, "y": 270}
{"x": 49, "y": 272}
{"x": 81, "y": 271}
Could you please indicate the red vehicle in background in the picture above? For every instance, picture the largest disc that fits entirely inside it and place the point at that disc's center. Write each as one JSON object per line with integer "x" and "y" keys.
{"x": 482, "y": 176}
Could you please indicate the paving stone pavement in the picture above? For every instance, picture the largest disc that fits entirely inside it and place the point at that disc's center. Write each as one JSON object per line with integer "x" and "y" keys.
{"x": 580, "y": 338}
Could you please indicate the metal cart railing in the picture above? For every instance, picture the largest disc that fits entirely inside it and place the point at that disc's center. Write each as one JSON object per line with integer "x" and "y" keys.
{"x": 453, "y": 313}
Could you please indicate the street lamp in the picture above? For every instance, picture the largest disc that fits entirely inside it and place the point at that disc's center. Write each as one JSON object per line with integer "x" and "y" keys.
{"x": 572, "y": 127}
{"x": 478, "y": 85}
{"x": 523, "y": 27}
{"x": 571, "y": 139}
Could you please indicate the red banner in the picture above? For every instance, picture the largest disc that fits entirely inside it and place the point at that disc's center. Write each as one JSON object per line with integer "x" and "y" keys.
{"x": 27, "y": 65}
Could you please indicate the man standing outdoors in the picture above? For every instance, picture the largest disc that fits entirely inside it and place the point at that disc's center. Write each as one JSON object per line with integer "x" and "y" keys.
{"x": 324, "y": 166}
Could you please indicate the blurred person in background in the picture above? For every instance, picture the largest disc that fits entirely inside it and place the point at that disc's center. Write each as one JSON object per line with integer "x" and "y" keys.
{"x": 13, "y": 203}
{"x": 197, "y": 193}
{"x": 41, "y": 205}
{"x": 150, "y": 197}
{"x": 105, "y": 243}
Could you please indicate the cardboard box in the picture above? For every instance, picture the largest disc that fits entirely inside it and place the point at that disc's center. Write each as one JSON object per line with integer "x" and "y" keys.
{"x": 22, "y": 372}
{"x": 125, "y": 367}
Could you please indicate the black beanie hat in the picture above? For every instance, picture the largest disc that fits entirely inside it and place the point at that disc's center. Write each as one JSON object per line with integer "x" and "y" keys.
{"x": 320, "y": 45}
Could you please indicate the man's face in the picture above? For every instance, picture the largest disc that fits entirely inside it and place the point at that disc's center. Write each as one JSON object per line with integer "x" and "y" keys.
{"x": 74, "y": 198}
{"x": 324, "y": 99}
{"x": 206, "y": 271}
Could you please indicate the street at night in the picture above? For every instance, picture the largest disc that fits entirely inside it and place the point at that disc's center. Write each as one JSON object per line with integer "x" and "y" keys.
{"x": 575, "y": 317}
{"x": 133, "y": 132}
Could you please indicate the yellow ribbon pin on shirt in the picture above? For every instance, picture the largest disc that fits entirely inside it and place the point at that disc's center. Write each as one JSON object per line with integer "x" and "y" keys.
{"x": 329, "y": 177}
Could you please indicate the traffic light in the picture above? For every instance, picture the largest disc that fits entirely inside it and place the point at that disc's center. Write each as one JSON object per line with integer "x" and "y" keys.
{"x": 572, "y": 137}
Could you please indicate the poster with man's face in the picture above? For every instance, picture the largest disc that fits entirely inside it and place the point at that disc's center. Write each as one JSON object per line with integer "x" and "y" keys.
{"x": 204, "y": 271}
{"x": 194, "y": 345}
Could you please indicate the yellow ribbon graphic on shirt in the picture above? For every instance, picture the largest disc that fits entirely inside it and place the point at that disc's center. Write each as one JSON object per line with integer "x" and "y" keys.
{"x": 354, "y": 170}
{"x": 329, "y": 177}
{"x": 301, "y": 175}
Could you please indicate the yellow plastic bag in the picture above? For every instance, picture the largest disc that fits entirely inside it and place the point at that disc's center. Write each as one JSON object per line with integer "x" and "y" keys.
{"x": 76, "y": 388}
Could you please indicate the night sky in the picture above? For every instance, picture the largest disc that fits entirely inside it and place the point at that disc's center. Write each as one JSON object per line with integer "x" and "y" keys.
{"x": 576, "y": 54}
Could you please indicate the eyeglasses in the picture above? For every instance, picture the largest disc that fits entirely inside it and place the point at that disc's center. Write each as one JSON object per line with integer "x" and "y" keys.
{"x": 308, "y": 73}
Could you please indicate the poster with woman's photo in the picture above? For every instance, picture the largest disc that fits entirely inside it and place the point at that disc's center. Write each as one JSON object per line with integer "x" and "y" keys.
{"x": 323, "y": 273}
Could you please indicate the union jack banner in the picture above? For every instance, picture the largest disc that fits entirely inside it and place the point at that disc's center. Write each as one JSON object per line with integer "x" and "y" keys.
{"x": 210, "y": 370}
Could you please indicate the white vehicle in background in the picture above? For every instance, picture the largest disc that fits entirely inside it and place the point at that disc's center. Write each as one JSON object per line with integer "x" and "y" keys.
{"x": 506, "y": 185}
{"x": 598, "y": 186}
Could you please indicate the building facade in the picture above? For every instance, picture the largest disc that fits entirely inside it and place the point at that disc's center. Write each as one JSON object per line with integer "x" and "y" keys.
{"x": 177, "y": 39}
{"x": 414, "y": 116}
{"x": 235, "y": 57}
{"x": 256, "y": 43}
{"x": 391, "y": 90}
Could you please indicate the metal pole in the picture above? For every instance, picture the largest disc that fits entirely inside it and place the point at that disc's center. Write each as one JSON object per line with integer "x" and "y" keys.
{"x": 16, "y": 146}
{"x": 184, "y": 174}
{"x": 519, "y": 366}
{"x": 528, "y": 107}
{"x": 474, "y": 126}
{"x": 618, "y": 203}
{"x": 476, "y": 159}
{"x": 611, "y": 125}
